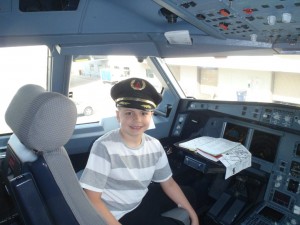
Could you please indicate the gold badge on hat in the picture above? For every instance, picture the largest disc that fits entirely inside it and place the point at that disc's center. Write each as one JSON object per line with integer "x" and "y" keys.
{"x": 146, "y": 106}
{"x": 123, "y": 103}
{"x": 138, "y": 84}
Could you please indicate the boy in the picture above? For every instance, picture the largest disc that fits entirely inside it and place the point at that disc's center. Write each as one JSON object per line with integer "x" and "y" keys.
{"x": 124, "y": 162}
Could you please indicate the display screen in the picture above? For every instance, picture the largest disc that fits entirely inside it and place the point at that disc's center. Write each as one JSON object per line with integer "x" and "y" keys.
{"x": 264, "y": 145}
{"x": 271, "y": 214}
{"x": 235, "y": 133}
{"x": 281, "y": 199}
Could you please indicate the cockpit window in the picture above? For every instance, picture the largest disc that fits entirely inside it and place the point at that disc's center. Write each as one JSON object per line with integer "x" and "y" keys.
{"x": 270, "y": 79}
{"x": 92, "y": 77}
{"x": 20, "y": 66}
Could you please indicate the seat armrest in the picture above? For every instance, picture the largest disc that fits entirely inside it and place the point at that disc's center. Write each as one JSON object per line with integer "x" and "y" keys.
{"x": 179, "y": 214}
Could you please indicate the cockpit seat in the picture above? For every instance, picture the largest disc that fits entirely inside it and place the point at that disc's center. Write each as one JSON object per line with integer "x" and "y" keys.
{"x": 40, "y": 176}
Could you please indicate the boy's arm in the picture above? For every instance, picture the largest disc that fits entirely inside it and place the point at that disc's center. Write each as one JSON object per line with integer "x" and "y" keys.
{"x": 95, "y": 198}
{"x": 171, "y": 188}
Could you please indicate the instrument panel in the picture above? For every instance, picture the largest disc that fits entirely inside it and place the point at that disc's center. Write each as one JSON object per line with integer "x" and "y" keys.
{"x": 272, "y": 136}
{"x": 279, "y": 116}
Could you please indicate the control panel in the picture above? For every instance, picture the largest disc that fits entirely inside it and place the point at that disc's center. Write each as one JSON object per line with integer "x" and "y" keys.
{"x": 179, "y": 123}
{"x": 285, "y": 190}
{"x": 275, "y": 153}
{"x": 267, "y": 214}
{"x": 278, "y": 116}
{"x": 282, "y": 198}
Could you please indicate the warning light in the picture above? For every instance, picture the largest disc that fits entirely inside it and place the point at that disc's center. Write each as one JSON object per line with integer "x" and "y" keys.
{"x": 248, "y": 11}
{"x": 224, "y": 12}
{"x": 224, "y": 26}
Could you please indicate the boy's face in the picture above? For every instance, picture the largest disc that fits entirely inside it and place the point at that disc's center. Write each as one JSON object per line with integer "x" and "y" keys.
{"x": 134, "y": 122}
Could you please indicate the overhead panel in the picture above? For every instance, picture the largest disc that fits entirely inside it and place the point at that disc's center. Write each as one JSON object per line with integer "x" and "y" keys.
{"x": 276, "y": 21}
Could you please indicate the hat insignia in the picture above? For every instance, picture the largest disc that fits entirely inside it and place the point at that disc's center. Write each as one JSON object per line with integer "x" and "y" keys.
{"x": 138, "y": 84}
{"x": 123, "y": 103}
{"x": 146, "y": 106}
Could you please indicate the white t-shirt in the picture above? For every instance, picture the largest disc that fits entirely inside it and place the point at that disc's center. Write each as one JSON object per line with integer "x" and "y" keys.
{"x": 122, "y": 174}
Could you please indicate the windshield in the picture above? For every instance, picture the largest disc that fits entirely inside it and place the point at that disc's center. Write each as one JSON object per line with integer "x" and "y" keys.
{"x": 270, "y": 79}
{"x": 92, "y": 77}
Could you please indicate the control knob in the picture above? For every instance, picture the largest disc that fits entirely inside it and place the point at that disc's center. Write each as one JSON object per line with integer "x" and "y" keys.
{"x": 287, "y": 118}
{"x": 276, "y": 116}
{"x": 181, "y": 119}
{"x": 279, "y": 177}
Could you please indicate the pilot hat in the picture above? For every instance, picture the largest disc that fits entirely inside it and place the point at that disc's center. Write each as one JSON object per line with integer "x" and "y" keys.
{"x": 135, "y": 93}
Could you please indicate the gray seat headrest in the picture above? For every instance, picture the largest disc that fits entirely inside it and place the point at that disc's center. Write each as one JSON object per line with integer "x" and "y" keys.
{"x": 42, "y": 120}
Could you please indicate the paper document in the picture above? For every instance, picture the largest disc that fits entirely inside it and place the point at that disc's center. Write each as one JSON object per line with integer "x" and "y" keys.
{"x": 236, "y": 160}
{"x": 233, "y": 155}
{"x": 209, "y": 156}
{"x": 218, "y": 146}
{"x": 210, "y": 145}
{"x": 194, "y": 144}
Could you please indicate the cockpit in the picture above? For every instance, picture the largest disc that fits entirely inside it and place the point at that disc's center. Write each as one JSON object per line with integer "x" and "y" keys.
{"x": 226, "y": 69}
